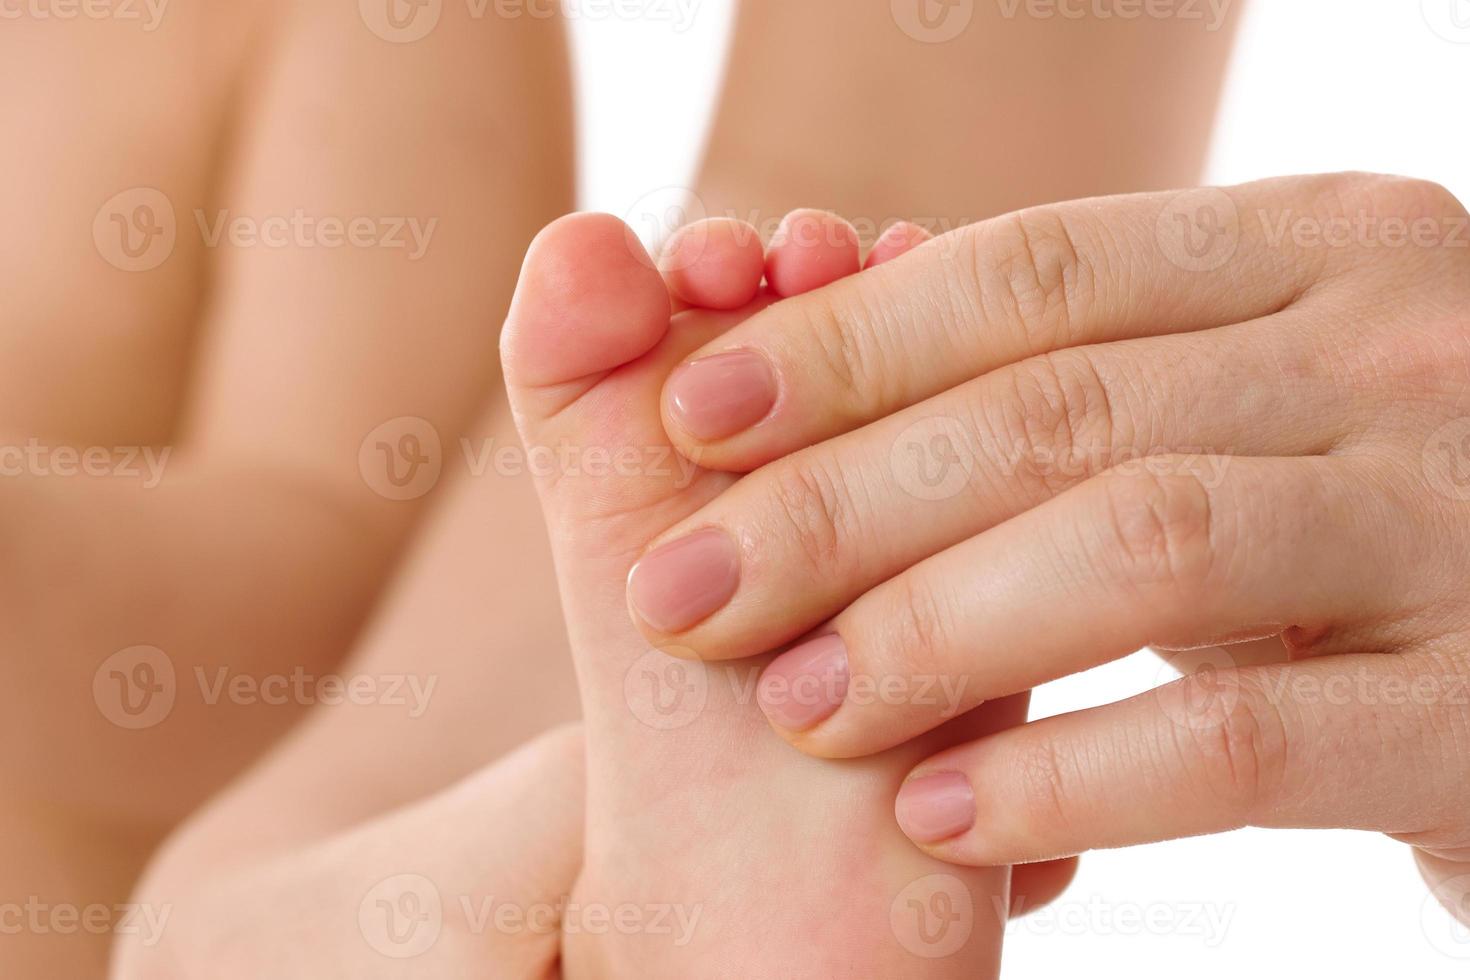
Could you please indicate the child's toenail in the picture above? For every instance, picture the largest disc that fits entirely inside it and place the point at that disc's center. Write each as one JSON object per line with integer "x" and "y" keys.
{"x": 806, "y": 684}
{"x": 680, "y": 583}
{"x": 936, "y": 807}
{"x": 718, "y": 396}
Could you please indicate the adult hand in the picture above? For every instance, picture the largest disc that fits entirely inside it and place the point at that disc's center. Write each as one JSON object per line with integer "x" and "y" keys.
{"x": 1047, "y": 440}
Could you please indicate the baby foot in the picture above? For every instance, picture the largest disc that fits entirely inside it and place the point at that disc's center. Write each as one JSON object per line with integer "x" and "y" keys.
{"x": 763, "y": 862}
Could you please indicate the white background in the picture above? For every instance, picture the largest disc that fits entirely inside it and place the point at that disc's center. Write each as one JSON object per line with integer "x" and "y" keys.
{"x": 1316, "y": 85}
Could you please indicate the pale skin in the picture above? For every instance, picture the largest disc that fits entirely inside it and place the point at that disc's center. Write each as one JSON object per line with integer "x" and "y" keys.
{"x": 1156, "y": 446}
{"x": 274, "y": 837}
{"x": 265, "y": 369}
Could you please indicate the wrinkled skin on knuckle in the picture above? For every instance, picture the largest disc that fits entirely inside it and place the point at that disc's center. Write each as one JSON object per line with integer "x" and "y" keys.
{"x": 1161, "y": 531}
{"x": 813, "y": 508}
{"x": 1241, "y": 753}
{"x": 1033, "y": 275}
{"x": 847, "y": 345}
{"x": 1054, "y": 425}
{"x": 1048, "y": 780}
{"x": 918, "y": 628}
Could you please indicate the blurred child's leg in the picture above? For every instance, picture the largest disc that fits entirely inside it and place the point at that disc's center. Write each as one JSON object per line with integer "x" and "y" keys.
{"x": 949, "y": 111}
{"x": 317, "y": 234}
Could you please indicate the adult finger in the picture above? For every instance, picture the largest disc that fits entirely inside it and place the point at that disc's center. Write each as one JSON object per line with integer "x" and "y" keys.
{"x": 990, "y": 294}
{"x": 1357, "y": 741}
{"x": 1186, "y": 551}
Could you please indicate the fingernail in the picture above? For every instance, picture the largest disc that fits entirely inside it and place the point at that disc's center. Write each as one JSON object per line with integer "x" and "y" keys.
{"x": 935, "y": 807}
{"x": 680, "y": 583}
{"x": 723, "y": 394}
{"x": 805, "y": 684}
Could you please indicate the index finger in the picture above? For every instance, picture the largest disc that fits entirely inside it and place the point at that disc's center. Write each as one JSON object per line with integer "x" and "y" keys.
{"x": 987, "y": 295}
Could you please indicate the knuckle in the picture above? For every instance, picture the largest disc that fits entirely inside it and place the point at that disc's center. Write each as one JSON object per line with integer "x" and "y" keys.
{"x": 1422, "y": 210}
{"x": 1352, "y": 189}
{"x": 920, "y": 626}
{"x": 812, "y": 503}
{"x": 1407, "y": 196}
{"x": 1046, "y": 778}
{"x": 1161, "y": 530}
{"x": 1242, "y": 759}
{"x": 846, "y": 349}
{"x": 1031, "y": 267}
{"x": 1055, "y": 424}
